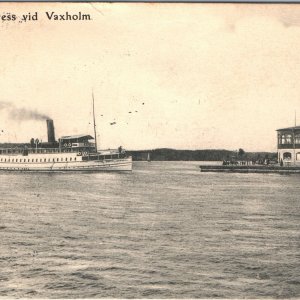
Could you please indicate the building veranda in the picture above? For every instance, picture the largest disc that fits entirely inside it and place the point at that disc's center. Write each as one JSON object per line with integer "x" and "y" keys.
{"x": 288, "y": 146}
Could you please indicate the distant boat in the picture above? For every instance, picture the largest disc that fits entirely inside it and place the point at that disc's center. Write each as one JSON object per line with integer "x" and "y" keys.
{"x": 148, "y": 157}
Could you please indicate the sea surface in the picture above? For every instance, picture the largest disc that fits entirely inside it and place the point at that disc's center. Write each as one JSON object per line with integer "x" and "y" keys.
{"x": 163, "y": 231}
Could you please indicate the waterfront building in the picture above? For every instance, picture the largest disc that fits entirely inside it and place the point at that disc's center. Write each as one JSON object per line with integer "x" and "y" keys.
{"x": 288, "y": 146}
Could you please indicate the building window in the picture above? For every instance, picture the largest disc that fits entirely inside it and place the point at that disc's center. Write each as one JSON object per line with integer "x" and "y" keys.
{"x": 297, "y": 138}
{"x": 70, "y": 158}
{"x": 75, "y": 158}
{"x": 45, "y": 160}
{"x": 57, "y": 159}
{"x": 286, "y": 139}
{"x": 298, "y": 156}
{"x": 287, "y": 155}
{"x": 66, "y": 159}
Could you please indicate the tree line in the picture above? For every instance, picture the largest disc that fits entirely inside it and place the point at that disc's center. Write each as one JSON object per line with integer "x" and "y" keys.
{"x": 165, "y": 154}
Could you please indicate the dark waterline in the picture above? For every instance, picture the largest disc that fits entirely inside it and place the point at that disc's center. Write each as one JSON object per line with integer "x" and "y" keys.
{"x": 164, "y": 231}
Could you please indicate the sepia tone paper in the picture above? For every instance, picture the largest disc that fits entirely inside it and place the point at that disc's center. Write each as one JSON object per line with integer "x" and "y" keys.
{"x": 180, "y": 76}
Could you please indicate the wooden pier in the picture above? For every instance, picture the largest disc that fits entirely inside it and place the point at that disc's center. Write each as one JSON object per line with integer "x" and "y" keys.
{"x": 251, "y": 169}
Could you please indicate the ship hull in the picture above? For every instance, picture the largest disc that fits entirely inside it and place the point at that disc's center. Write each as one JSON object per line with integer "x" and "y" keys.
{"x": 124, "y": 164}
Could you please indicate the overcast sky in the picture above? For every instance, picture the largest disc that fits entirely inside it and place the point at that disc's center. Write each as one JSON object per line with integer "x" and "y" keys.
{"x": 209, "y": 75}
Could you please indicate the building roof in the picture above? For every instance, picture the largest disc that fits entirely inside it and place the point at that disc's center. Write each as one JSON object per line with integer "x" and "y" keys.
{"x": 79, "y": 136}
{"x": 290, "y": 128}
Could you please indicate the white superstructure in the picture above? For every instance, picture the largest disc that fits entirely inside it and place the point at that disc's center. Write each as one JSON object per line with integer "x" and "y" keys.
{"x": 57, "y": 161}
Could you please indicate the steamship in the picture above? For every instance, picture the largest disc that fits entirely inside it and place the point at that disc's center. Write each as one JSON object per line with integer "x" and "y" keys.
{"x": 69, "y": 153}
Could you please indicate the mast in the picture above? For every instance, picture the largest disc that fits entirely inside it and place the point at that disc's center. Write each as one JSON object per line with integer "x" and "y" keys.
{"x": 95, "y": 133}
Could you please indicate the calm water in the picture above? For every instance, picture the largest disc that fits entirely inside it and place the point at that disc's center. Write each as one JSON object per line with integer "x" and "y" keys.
{"x": 164, "y": 231}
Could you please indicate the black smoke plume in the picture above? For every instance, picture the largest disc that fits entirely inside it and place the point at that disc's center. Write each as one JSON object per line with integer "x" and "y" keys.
{"x": 22, "y": 114}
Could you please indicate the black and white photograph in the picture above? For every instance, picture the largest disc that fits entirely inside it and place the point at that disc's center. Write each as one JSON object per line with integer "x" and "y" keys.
{"x": 149, "y": 150}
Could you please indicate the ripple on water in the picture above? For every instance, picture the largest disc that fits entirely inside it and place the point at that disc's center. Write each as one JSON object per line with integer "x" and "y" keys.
{"x": 164, "y": 231}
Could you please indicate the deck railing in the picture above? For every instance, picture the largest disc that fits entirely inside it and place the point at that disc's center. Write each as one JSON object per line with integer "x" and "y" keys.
{"x": 288, "y": 146}
{"x": 84, "y": 151}
{"x": 17, "y": 151}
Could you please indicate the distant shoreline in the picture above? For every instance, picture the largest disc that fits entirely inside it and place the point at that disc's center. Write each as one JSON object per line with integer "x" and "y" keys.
{"x": 166, "y": 154}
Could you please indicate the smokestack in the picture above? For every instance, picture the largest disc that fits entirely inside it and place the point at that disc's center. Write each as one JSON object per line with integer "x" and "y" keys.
{"x": 50, "y": 129}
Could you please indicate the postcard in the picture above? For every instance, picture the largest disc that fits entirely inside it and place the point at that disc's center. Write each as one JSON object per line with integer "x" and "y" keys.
{"x": 149, "y": 150}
